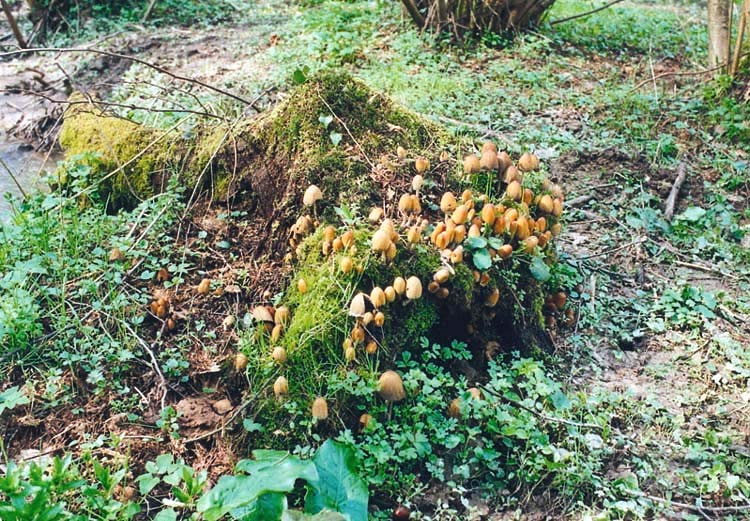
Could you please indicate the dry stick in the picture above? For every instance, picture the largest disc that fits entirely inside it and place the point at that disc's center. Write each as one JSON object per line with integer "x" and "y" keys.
{"x": 13, "y": 177}
{"x": 740, "y": 36}
{"x": 540, "y": 415}
{"x": 579, "y": 200}
{"x": 675, "y": 191}
{"x": 708, "y": 269}
{"x": 13, "y": 25}
{"x": 133, "y": 59}
{"x": 92, "y": 101}
{"x": 587, "y": 13}
{"x": 694, "y": 508}
{"x": 372, "y": 165}
{"x": 147, "y": 13}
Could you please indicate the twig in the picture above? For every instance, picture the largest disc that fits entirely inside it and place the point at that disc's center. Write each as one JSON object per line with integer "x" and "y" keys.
{"x": 637, "y": 241}
{"x": 361, "y": 149}
{"x": 675, "y": 191}
{"x": 13, "y": 24}
{"x": 675, "y": 73}
{"x": 148, "y": 10}
{"x": 687, "y": 506}
{"x": 587, "y": 13}
{"x": 579, "y": 200}
{"x": 13, "y": 177}
{"x": 133, "y": 59}
{"x": 708, "y": 269}
{"x": 539, "y": 414}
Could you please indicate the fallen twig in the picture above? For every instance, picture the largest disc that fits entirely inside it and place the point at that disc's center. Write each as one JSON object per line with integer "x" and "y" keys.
{"x": 675, "y": 191}
{"x": 133, "y": 59}
{"x": 709, "y": 269}
{"x": 579, "y": 200}
{"x": 587, "y": 13}
{"x": 539, "y": 414}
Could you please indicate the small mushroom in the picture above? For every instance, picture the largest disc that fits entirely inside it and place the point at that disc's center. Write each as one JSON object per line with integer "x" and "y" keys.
{"x": 421, "y": 164}
{"x": 390, "y": 294}
{"x": 447, "y": 202}
{"x": 381, "y": 241}
{"x": 346, "y": 264}
{"x": 281, "y": 387}
{"x": 204, "y": 287}
{"x": 312, "y": 196}
{"x": 471, "y": 164}
{"x": 399, "y": 284}
{"x": 379, "y": 319}
{"x": 377, "y": 297}
{"x": 281, "y": 316}
{"x": 240, "y": 361}
{"x": 391, "y": 387}
{"x": 261, "y": 314}
{"x": 279, "y": 354}
{"x": 302, "y": 286}
{"x": 401, "y": 152}
{"x": 417, "y": 183}
{"x": 357, "y": 306}
{"x": 413, "y": 288}
{"x": 375, "y": 214}
{"x": 320, "y": 408}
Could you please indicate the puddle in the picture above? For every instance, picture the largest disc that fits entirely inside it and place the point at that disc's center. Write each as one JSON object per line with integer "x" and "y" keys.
{"x": 26, "y": 165}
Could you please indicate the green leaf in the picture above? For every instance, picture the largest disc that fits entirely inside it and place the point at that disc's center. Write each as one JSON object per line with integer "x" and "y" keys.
{"x": 325, "y": 120}
{"x": 335, "y": 138}
{"x": 268, "y": 506}
{"x": 324, "y": 515}
{"x": 271, "y": 471}
{"x": 495, "y": 243}
{"x": 146, "y": 483}
{"x": 12, "y": 398}
{"x": 539, "y": 270}
{"x": 692, "y": 214}
{"x": 168, "y": 514}
{"x": 339, "y": 488}
{"x": 481, "y": 259}
{"x": 560, "y": 400}
{"x": 251, "y": 426}
{"x": 475, "y": 243}
{"x": 300, "y": 75}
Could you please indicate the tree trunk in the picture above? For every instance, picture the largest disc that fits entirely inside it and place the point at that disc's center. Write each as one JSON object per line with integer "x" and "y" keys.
{"x": 718, "y": 32}
{"x": 460, "y": 16}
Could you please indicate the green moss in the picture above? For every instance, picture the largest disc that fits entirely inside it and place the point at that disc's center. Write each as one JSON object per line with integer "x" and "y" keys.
{"x": 128, "y": 155}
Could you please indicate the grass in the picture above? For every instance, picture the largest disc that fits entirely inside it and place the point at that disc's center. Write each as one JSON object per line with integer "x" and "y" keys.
{"x": 656, "y": 359}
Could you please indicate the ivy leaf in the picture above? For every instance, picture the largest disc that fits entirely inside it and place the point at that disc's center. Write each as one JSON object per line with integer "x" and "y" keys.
{"x": 481, "y": 258}
{"x": 325, "y": 120}
{"x": 539, "y": 270}
{"x": 168, "y": 514}
{"x": 300, "y": 75}
{"x": 475, "y": 243}
{"x": 495, "y": 243}
{"x": 335, "y": 138}
{"x": 339, "y": 488}
{"x": 12, "y": 398}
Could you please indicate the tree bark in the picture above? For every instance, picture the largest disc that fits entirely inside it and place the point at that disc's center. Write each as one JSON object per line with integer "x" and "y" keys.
{"x": 461, "y": 16}
{"x": 718, "y": 32}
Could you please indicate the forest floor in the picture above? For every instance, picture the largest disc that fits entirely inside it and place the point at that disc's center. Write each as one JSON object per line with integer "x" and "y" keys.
{"x": 613, "y": 104}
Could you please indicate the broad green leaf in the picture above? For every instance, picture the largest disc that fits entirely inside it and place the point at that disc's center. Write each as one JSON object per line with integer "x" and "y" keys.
{"x": 268, "y": 507}
{"x": 474, "y": 243}
{"x": 692, "y": 214}
{"x": 539, "y": 270}
{"x": 168, "y": 514}
{"x": 271, "y": 471}
{"x": 335, "y": 138}
{"x": 481, "y": 259}
{"x": 339, "y": 488}
{"x": 560, "y": 400}
{"x": 323, "y": 515}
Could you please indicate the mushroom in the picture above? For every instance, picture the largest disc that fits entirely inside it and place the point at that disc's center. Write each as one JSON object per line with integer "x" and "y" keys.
{"x": 514, "y": 191}
{"x": 281, "y": 387}
{"x": 240, "y": 361}
{"x": 357, "y": 306}
{"x": 302, "y": 286}
{"x": 390, "y": 294}
{"x": 261, "y": 314}
{"x": 381, "y": 240}
{"x": 350, "y": 354}
{"x": 391, "y": 387}
{"x": 281, "y": 316}
{"x": 413, "y": 288}
{"x": 399, "y": 284}
{"x": 421, "y": 164}
{"x": 379, "y": 319}
{"x": 401, "y": 152}
{"x": 204, "y": 287}
{"x": 276, "y": 332}
{"x": 489, "y": 160}
{"x": 375, "y": 214}
{"x": 364, "y": 421}
{"x": 377, "y": 297}
{"x": 312, "y": 196}
{"x": 320, "y": 408}
{"x": 488, "y": 214}
{"x": 417, "y": 183}
{"x": 492, "y": 298}
{"x": 471, "y": 164}
{"x": 447, "y": 202}
{"x": 442, "y": 275}
{"x": 454, "y": 409}
{"x": 346, "y": 264}
{"x": 279, "y": 354}
{"x": 528, "y": 162}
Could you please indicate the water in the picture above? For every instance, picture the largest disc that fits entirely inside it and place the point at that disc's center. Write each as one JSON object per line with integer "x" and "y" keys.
{"x": 26, "y": 165}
